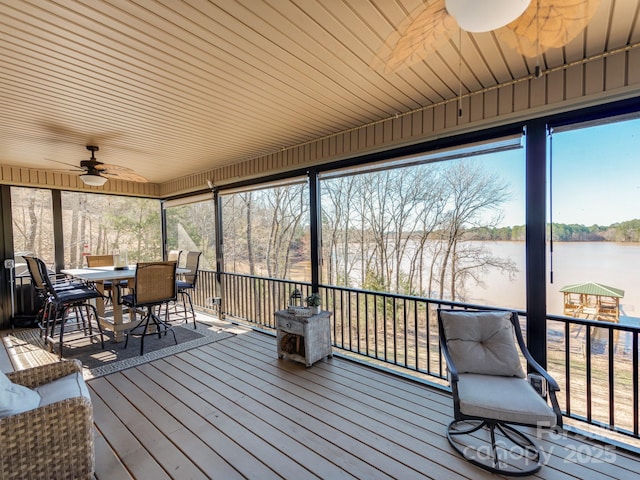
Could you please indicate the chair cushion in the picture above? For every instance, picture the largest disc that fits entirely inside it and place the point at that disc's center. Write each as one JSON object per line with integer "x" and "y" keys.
{"x": 129, "y": 300}
{"x": 16, "y": 398}
{"x": 76, "y": 295}
{"x": 507, "y": 399}
{"x": 70, "y": 386}
{"x": 482, "y": 342}
{"x": 182, "y": 285}
{"x": 63, "y": 286}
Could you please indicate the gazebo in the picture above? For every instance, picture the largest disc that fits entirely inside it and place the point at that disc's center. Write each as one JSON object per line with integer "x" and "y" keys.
{"x": 595, "y": 300}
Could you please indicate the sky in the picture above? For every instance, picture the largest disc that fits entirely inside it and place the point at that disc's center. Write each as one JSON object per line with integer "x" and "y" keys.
{"x": 596, "y": 175}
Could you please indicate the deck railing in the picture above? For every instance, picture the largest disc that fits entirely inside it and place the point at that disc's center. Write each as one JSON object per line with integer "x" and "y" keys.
{"x": 595, "y": 362}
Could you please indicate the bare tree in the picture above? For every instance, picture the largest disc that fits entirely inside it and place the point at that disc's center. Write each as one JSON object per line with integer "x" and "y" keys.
{"x": 289, "y": 207}
{"x": 247, "y": 200}
{"x": 474, "y": 198}
{"x": 336, "y": 225}
{"x": 432, "y": 203}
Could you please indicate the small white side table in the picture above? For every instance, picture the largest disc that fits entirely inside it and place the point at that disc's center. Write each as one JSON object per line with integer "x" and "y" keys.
{"x": 303, "y": 339}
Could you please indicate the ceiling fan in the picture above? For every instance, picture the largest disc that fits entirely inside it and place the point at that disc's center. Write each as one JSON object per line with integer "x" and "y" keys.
{"x": 97, "y": 173}
{"x": 529, "y": 26}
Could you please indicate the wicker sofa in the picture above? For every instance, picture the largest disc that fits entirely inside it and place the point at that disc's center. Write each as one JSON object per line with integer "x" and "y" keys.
{"x": 51, "y": 441}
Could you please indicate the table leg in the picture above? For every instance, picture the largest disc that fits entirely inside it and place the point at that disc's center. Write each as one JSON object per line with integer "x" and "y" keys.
{"x": 118, "y": 317}
{"x": 100, "y": 300}
{"x": 116, "y": 324}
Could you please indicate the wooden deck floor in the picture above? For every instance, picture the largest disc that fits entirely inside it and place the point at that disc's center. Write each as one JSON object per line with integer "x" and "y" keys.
{"x": 231, "y": 410}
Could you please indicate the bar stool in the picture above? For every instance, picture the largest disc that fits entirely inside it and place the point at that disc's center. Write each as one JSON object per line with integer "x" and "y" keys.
{"x": 63, "y": 298}
{"x": 155, "y": 285}
{"x": 186, "y": 284}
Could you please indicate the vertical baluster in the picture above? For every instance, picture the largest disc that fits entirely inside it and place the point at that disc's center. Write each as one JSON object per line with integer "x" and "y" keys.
{"x": 635, "y": 382}
{"x": 611, "y": 377}
{"x": 567, "y": 366}
{"x": 588, "y": 372}
{"x": 416, "y": 334}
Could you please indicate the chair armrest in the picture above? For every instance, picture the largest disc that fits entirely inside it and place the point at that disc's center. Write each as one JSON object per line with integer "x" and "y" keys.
{"x": 551, "y": 382}
{"x": 120, "y": 288}
{"x": 54, "y": 441}
{"x": 59, "y": 277}
{"x": 552, "y": 385}
{"x": 33, "y": 377}
{"x": 453, "y": 371}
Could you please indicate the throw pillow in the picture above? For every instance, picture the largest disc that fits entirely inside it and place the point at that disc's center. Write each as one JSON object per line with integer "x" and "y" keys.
{"x": 482, "y": 342}
{"x": 16, "y": 398}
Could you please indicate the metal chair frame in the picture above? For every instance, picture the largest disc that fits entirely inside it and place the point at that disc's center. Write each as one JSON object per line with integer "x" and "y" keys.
{"x": 475, "y": 450}
{"x": 155, "y": 285}
{"x": 185, "y": 285}
{"x": 59, "y": 299}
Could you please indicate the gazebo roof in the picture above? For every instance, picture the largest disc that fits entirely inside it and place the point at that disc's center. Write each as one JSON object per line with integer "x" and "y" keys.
{"x": 591, "y": 288}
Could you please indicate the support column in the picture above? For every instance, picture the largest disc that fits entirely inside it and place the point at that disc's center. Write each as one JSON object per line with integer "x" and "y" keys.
{"x": 217, "y": 206}
{"x": 536, "y": 212}
{"x": 315, "y": 221}
{"x": 6, "y": 252}
{"x": 58, "y": 235}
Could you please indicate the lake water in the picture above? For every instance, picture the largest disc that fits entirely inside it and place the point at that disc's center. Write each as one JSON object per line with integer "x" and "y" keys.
{"x": 613, "y": 264}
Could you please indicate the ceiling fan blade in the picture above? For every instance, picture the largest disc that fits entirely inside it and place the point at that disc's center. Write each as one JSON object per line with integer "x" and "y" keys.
{"x": 94, "y": 167}
{"x": 63, "y": 163}
{"x": 420, "y": 34}
{"x": 120, "y": 172}
{"x": 547, "y": 24}
{"x": 128, "y": 176}
{"x": 111, "y": 168}
{"x": 68, "y": 171}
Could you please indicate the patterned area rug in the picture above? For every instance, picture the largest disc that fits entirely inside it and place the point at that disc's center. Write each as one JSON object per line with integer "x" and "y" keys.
{"x": 26, "y": 349}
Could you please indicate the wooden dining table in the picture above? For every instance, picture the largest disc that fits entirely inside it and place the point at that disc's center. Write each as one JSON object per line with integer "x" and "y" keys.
{"x": 117, "y": 322}
{"x": 98, "y": 276}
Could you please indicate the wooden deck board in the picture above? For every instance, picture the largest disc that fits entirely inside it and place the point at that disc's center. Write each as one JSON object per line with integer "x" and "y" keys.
{"x": 232, "y": 409}
{"x": 107, "y": 463}
{"x": 222, "y": 428}
{"x": 414, "y": 414}
{"x": 128, "y": 449}
{"x": 280, "y": 430}
{"x": 342, "y": 422}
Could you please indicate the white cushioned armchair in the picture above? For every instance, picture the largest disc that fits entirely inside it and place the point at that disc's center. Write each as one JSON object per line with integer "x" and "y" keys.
{"x": 485, "y": 354}
{"x": 46, "y": 429}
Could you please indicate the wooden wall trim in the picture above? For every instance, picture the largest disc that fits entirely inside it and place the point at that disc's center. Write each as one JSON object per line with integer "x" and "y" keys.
{"x": 603, "y": 79}
{"x": 29, "y": 177}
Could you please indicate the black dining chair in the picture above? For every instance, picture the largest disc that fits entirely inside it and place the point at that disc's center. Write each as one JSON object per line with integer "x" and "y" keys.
{"x": 60, "y": 299}
{"x": 185, "y": 285}
{"x": 37, "y": 273}
{"x": 155, "y": 285}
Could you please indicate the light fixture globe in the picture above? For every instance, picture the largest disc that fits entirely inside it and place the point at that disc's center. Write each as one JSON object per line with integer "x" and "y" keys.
{"x": 486, "y": 15}
{"x": 93, "y": 180}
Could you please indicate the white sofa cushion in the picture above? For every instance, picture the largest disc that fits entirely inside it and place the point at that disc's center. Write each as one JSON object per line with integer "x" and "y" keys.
{"x": 16, "y": 398}
{"x": 70, "y": 386}
{"x": 507, "y": 399}
{"x": 482, "y": 342}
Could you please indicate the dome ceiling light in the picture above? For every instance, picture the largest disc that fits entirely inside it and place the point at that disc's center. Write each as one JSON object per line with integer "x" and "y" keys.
{"x": 484, "y": 16}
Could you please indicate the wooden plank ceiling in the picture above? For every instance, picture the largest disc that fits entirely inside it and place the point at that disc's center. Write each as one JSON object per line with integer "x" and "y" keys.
{"x": 172, "y": 88}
